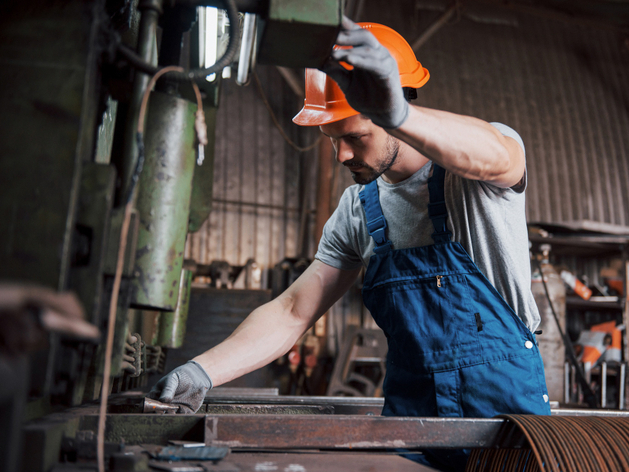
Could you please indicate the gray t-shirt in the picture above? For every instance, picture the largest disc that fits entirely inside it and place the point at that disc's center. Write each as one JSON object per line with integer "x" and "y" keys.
{"x": 488, "y": 221}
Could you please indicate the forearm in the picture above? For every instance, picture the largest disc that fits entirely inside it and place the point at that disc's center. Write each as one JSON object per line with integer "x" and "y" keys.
{"x": 464, "y": 145}
{"x": 272, "y": 329}
{"x": 266, "y": 334}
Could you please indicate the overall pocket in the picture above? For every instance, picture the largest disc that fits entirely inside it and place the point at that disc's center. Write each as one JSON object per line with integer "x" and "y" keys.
{"x": 423, "y": 317}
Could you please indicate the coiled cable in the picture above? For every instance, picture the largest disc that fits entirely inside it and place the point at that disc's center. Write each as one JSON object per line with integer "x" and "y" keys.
{"x": 560, "y": 444}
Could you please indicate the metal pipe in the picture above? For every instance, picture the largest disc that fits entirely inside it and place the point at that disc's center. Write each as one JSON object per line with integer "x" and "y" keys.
{"x": 254, "y": 205}
{"x": 147, "y": 38}
{"x": 567, "y": 385}
{"x": 172, "y": 325}
{"x": 604, "y": 385}
{"x": 621, "y": 389}
{"x": 163, "y": 201}
{"x": 247, "y": 45}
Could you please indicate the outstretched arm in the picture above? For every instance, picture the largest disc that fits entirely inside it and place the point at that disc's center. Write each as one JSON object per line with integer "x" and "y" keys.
{"x": 266, "y": 334}
{"x": 272, "y": 329}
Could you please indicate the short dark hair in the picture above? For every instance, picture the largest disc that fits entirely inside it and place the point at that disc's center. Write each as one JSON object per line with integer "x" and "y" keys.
{"x": 409, "y": 93}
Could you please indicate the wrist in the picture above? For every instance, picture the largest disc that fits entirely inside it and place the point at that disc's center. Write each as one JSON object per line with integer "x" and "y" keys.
{"x": 201, "y": 369}
{"x": 397, "y": 116}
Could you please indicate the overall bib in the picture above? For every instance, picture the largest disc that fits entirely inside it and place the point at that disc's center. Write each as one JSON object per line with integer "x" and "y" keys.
{"x": 456, "y": 348}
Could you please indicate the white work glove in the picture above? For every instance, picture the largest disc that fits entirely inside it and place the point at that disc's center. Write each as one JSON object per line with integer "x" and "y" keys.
{"x": 184, "y": 386}
{"x": 373, "y": 87}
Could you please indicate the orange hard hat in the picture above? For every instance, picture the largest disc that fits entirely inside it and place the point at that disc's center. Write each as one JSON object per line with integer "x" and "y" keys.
{"x": 326, "y": 103}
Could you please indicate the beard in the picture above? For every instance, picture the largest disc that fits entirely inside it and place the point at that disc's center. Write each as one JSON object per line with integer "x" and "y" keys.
{"x": 392, "y": 149}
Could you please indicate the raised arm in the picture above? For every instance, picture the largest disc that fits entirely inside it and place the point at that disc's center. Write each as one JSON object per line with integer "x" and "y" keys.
{"x": 266, "y": 334}
{"x": 464, "y": 145}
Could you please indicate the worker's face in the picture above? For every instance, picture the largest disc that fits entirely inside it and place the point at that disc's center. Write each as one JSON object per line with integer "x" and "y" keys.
{"x": 365, "y": 149}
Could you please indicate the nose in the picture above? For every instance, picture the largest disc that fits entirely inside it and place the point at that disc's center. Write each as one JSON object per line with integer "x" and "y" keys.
{"x": 344, "y": 151}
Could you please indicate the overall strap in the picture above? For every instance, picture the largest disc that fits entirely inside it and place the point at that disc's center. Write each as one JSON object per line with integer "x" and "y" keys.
{"x": 437, "y": 210}
{"x": 376, "y": 224}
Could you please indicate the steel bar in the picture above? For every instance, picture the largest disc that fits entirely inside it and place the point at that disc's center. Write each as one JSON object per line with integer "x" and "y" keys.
{"x": 621, "y": 387}
{"x": 341, "y": 432}
{"x": 222, "y": 409}
{"x": 603, "y": 384}
{"x": 589, "y": 412}
{"x": 341, "y": 405}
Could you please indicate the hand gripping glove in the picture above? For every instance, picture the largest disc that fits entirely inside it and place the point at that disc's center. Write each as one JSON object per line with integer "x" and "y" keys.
{"x": 373, "y": 86}
{"x": 184, "y": 386}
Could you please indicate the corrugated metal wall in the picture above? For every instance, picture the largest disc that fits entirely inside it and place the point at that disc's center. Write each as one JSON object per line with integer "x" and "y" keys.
{"x": 564, "y": 88}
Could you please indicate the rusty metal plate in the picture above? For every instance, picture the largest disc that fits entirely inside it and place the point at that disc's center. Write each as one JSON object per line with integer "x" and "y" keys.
{"x": 266, "y": 410}
{"x": 348, "y": 432}
{"x": 340, "y": 405}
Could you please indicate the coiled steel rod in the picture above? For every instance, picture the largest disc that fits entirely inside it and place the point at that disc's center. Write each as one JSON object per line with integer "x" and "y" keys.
{"x": 560, "y": 444}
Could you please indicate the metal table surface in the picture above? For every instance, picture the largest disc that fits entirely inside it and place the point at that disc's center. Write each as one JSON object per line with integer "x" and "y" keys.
{"x": 312, "y": 462}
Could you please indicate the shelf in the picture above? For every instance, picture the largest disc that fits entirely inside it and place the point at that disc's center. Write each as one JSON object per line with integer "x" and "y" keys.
{"x": 583, "y": 246}
{"x": 577, "y": 303}
{"x": 566, "y": 240}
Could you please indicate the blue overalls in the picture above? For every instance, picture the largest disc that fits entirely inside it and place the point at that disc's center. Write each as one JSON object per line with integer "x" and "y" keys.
{"x": 456, "y": 348}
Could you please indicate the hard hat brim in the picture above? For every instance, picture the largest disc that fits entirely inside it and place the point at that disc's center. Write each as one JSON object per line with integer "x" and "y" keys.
{"x": 311, "y": 116}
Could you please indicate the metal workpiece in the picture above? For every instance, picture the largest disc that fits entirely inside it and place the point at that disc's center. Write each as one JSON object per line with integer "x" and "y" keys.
{"x": 163, "y": 201}
{"x": 348, "y": 432}
{"x": 338, "y": 405}
{"x": 222, "y": 409}
{"x": 304, "y": 431}
{"x": 171, "y": 329}
{"x": 155, "y": 406}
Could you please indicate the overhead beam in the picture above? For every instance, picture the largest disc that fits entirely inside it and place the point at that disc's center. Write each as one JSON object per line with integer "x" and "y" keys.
{"x": 435, "y": 26}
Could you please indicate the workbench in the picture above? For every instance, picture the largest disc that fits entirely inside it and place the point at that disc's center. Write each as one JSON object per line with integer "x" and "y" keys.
{"x": 264, "y": 432}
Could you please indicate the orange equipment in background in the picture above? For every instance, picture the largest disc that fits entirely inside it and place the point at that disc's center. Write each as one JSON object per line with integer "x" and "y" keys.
{"x": 602, "y": 342}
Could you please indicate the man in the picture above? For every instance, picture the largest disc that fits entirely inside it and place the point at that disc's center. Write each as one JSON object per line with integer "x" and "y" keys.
{"x": 437, "y": 219}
